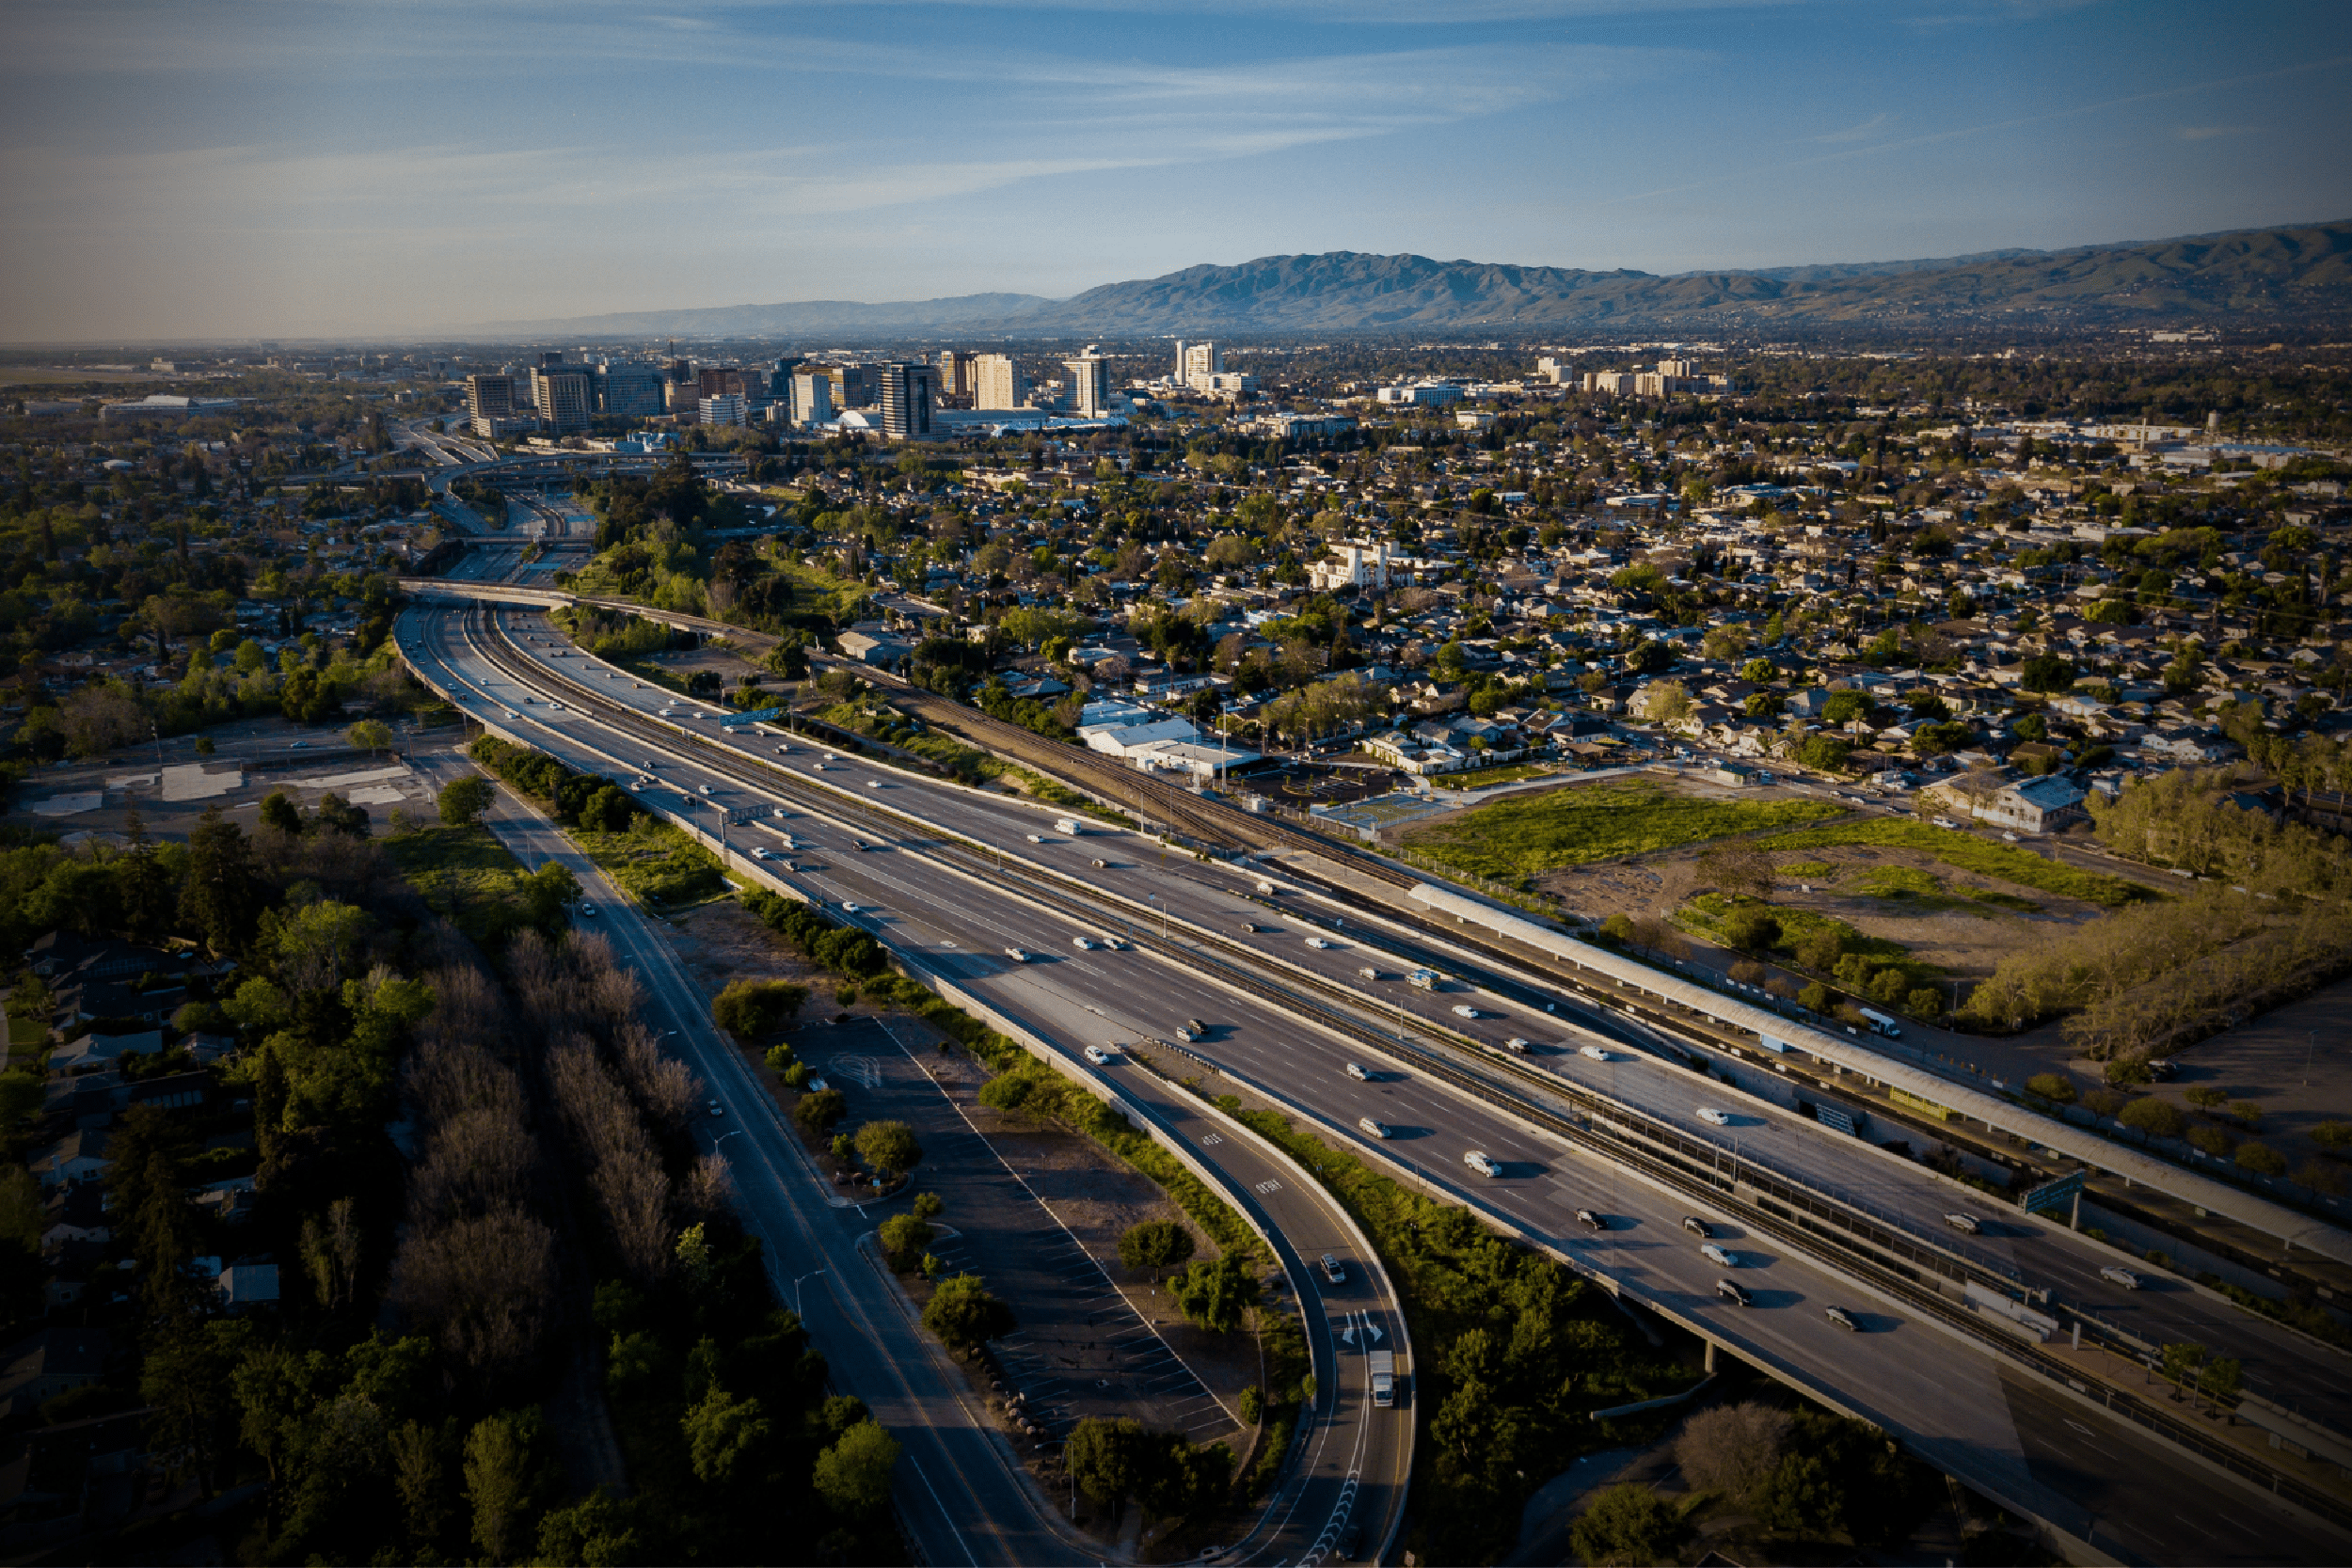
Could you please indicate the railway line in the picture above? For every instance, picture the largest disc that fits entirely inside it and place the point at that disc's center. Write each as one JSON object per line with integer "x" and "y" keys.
{"x": 1831, "y": 1234}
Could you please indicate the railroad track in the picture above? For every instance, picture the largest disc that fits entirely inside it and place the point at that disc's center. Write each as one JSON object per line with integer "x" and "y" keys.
{"x": 1832, "y": 1236}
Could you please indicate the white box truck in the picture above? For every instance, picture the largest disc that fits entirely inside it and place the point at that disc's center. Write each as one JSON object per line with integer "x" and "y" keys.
{"x": 1882, "y": 1024}
{"x": 1067, "y": 825}
{"x": 1384, "y": 1378}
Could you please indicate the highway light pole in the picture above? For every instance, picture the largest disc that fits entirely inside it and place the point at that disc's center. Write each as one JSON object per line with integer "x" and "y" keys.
{"x": 796, "y": 1295}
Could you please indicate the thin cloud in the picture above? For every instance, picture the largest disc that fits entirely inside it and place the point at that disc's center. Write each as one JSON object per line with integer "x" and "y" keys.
{"x": 2206, "y": 133}
{"x": 1863, "y": 132}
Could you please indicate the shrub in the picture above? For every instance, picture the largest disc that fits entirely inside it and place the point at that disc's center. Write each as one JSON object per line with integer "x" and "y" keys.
{"x": 1627, "y": 1523}
{"x": 2212, "y": 1140}
{"x": 1752, "y": 929}
{"x": 1748, "y": 971}
{"x": 1253, "y": 1406}
{"x": 2157, "y": 1117}
{"x": 964, "y": 1315}
{"x": 780, "y": 1058}
{"x": 2261, "y": 1159}
{"x": 904, "y": 1238}
{"x": 1214, "y": 1295}
{"x": 889, "y": 1146}
{"x": 2105, "y": 1103}
{"x": 796, "y": 1076}
{"x": 2054, "y": 1086}
{"x": 2321, "y": 1177}
{"x": 750, "y": 1008}
{"x": 1814, "y": 998}
{"x": 2205, "y": 1096}
{"x": 1154, "y": 1245}
{"x": 463, "y": 800}
{"x": 1732, "y": 1449}
{"x": 2332, "y": 1135}
{"x": 927, "y": 1204}
{"x": 1925, "y": 1002}
{"x": 2249, "y": 1113}
{"x": 820, "y": 1110}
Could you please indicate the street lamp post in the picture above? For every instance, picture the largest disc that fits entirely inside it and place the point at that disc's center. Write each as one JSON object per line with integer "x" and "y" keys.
{"x": 796, "y": 1295}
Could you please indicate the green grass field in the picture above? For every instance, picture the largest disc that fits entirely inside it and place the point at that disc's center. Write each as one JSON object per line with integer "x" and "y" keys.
{"x": 465, "y": 873}
{"x": 1706, "y": 914}
{"x": 2007, "y": 863}
{"x": 654, "y": 863}
{"x": 1528, "y": 834}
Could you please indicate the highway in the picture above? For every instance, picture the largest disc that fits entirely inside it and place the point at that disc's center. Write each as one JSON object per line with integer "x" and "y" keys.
{"x": 1762, "y": 1126}
{"x": 1355, "y": 1465}
{"x": 1912, "y": 1374}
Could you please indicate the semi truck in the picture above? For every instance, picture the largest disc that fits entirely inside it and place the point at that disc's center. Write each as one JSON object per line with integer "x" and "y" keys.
{"x": 1384, "y": 1378}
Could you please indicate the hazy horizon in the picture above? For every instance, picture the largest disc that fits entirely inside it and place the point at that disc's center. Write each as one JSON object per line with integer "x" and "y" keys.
{"x": 251, "y": 170}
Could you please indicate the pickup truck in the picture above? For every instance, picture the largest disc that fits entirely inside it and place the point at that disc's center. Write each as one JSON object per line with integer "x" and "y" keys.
{"x": 1383, "y": 1378}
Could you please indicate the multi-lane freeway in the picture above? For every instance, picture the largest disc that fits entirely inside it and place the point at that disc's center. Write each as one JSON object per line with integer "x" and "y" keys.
{"x": 1291, "y": 1008}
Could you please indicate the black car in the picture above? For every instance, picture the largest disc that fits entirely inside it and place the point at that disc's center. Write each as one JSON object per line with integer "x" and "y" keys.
{"x": 1698, "y": 1226}
{"x": 1734, "y": 1292}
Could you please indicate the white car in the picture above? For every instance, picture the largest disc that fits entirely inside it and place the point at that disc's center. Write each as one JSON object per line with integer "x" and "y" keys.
{"x": 589, "y": 911}
{"x": 849, "y": 909}
{"x": 873, "y": 784}
{"x": 1082, "y": 944}
{"x": 1482, "y": 1163}
{"x": 1463, "y": 1009}
{"x": 784, "y": 751}
{"x": 1099, "y": 1056}
{"x": 2117, "y": 1274}
{"x": 1719, "y": 1119}
{"x": 1114, "y": 943}
{"x": 651, "y": 765}
{"x": 1016, "y": 955}
{"x": 759, "y": 853}
{"x": 1595, "y": 1053}
{"x": 1377, "y": 1129}
{"x": 1516, "y": 1044}
{"x": 1355, "y": 1070}
{"x": 1317, "y": 941}
{"x": 1035, "y": 839}
{"x": 1721, "y": 1257}
{"x": 706, "y": 789}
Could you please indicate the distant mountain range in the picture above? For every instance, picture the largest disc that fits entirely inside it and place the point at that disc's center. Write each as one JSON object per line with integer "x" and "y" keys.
{"x": 2273, "y": 276}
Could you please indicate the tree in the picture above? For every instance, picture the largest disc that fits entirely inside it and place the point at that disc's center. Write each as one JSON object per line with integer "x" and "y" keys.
{"x": 370, "y": 735}
{"x": 2155, "y": 1117}
{"x": 820, "y": 1110}
{"x": 279, "y": 811}
{"x": 2046, "y": 673}
{"x": 889, "y": 1146}
{"x": 750, "y": 1008}
{"x": 498, "y": 1484}
{"x": 1740, "y": 867}
{"x": 2054, "y": 1087}
{"x": 964, "y": 1315}
{"x": 335, "y": 815}
{"x": 1732, "y": 1449}
{"x": 721, "y": 1430}
{"x": 1627, "y": 1523}
{"x": 1104, "y": 1456}
{"x": 464, "y": 800}
{"x": 1213, "y": 1295}
{"x": 853, "y": 1475}
{"x": 903, "y": 1237}
{"x": 548, "y": 891}
{"x": 1844, "y": 707}
{"x": 1154, "y": 1245}
{"x": 1663, "y": 701}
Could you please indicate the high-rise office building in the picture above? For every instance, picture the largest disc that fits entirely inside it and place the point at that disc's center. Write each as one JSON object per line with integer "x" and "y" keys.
{"x": 907, "y": 392}
{"x": 958, "y": 374}
{"x": 1000, "y": 383}
{"x": 857, "y": 385}
{"x": 563, "y": 396}
{"x": 629, "y": 392}
{"x": 726, "y": 408}
{"x": 489, "y": 403}
{"x": 1090, "y": 385}
{"x": 1200, "y": 360}
{"x": 812, "y": 397}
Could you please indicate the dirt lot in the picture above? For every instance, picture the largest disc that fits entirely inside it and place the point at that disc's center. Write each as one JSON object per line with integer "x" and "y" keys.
{"x": 1937, "y": 920}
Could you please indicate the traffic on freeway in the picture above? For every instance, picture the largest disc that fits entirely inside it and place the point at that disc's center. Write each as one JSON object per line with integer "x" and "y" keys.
{"x": 1903, "y": 1371}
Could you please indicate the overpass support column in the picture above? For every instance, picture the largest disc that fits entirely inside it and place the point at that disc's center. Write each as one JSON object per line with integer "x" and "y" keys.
{"x": 1711, "y": 1357}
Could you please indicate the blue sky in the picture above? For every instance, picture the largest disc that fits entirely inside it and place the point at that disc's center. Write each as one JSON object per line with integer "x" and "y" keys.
{"x": 306, "y": 167}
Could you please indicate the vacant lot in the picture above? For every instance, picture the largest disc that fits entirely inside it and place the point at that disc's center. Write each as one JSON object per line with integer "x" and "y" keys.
{"x": 1526, "y": 835}
{"x": 1966, "y": 851}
